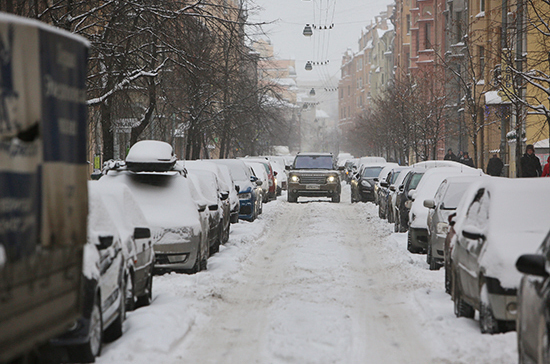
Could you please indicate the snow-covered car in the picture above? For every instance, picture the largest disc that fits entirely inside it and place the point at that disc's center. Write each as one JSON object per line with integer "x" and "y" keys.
{"x": 104, "y": 286}
{"x": 506, "y": 219}
{"x": 417, "y": 240}
{"x": 401, "y": 173}
{"x": 382, "y": 177}
{"x": 207, "y": 183}
{"x": 271, "y": 180}
{"x": 226, "y": 188}
{"x": 362, "y": 183}
{"x": 385, "y": 192}
{"x": 370, "y": 161}
{"x": 258, "y": 170}
{"x": 136, "y": 239}
{"x": 279, "y": 171}
{"x": 533, "y": 319}
{"x": 248, "y": 186}
{"x": 445, "y": 202}
{"x": 179, "y": 242}
{"x": 234, "y": 202}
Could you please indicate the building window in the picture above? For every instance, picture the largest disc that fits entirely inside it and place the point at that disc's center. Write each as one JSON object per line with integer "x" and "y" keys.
{"x": 349, "y": 90}
{"x": 459, "y": 26}
{"x": 481, "y": 63}
{"x": 408, "y": 23}
{"x": 428, "y": 36}
{"x": 481, "y": 5}
{"x": 408, "y": 60}
{"x": 360, "y": 64}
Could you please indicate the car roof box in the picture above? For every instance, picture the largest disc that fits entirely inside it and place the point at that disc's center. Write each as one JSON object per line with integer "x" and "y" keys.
{"x": 151, "y": 156}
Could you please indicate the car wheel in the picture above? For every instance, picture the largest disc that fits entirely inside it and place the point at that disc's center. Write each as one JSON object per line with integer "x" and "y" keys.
{"x": 336, "y": 198}
{"x": 461, "y": 308}
{"x": 410, "y": 246}
{"x": 146, "y": 299}
{"x": 130, "y": 294}
{"x": 488, "y": 324}
{"x": 87, "y": 352}
{"x": 197, "y": 266}
{"x": 114, "y": 331}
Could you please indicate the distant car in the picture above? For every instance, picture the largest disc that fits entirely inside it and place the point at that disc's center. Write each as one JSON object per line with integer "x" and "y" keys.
{"x": 314, "y": 175}
{"x": 234, "y": 203}
{"x": 258, "y": 170}
{"x": 271, "y": 180}
{"x": 418, "y": 214}
{"x": 445, "y": 202}
{"x": 362, "y": 184}
{"x": 249, "y": 189}
{"x": 136, "y": 238}
{"x": 382, "y": 177}
{"x": 207, "y": 183}
{"x": 104, "y": 285}
{"x": 163, "y": 193}
{"x": 504, "y": 220}
{"x": 385, "y": 192}
{"x": 533, "y": 319}
{"x": 392, "y": 197}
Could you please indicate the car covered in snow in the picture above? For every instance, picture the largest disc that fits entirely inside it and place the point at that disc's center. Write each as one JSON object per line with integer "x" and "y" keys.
{"x": 162, "y": 190}
{"x": 417, "y": 240}
{"x": 135, "y": 234}
{"x": 258, "y": 170}
{"x": 104, "y": 286}
{"x": 385, "y": 208}
{"x": 506, "y": 219}
{"x": 445, "y": 202}
{"x": 314, "y": 175}
{"x": 248, "y": 187}
{"x": 363, "y": 181}
{"x": 271, "y": 180}
{"x": 382, "y": 177}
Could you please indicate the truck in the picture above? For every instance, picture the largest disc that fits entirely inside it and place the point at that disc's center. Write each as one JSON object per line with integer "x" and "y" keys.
{"x": 43, "y": 183}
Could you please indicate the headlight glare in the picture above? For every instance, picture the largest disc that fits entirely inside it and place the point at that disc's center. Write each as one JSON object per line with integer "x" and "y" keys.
{"x": 295, "y": 179}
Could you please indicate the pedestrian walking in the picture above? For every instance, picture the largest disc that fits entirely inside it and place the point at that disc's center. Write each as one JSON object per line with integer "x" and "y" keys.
{"x": 546, "y": 170}
{"x": 530, "y": 163}
{"x": 450, "y": 156}
{"x": 495, "y": 165}
{"x": 467, "y": 160}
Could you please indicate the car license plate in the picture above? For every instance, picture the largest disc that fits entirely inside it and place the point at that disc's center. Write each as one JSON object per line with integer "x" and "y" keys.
{"x": 312, "y": 187}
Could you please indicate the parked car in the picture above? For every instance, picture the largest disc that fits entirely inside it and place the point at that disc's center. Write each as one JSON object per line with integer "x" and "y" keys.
{"x": 234, "y": 201}
{"x": 137, "y": 243}
{"x": 377, "y": 161}
{"x": 314, "y": 175}
{"x": 362, "y": 183}
{"x": 445, "y": 202}
{"x": 206, "y": 182}
{"x": 258, "y": 170}
{"x": 385, "y": 193}
{"x": 350, "y": 167}
{"x": 403, "y": 200}
{"x": 271, "y": 180}
{"x": 417, "y": 240}
{"x": 505, "y": 220}
{"x": 392, "y": 198}
{"x": 104, "y": 286}
{"x": 248, "y": 186}
{"x": 382, "y": 177}
{"x": 533, "y": 319}
{"x": 226, "y": 188}
{"x": 162, "y": 190}
{"x": 279, "y": 171}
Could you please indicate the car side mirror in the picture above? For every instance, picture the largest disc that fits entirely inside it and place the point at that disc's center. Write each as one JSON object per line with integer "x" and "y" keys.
{"x": 375, "y": 179}
{"x": 201, "y": 206}
{"x": 392, "y": 188}
{"x": 412, "y": 194}
{"x": 105, "y": 242}
{"x": 142, "y": 233}
{"x": 213, "y": 207}
{"x": 401, "y": 188}
{"x": 275, "y": 173}
{"x": 429, "y": 204}
{"x": 384, "y": 184}
{"x": 287, "y": 168}
{"x": 533, "y": 264}
{"x": 224, "y": 196}
{"x": 253, "y": 178}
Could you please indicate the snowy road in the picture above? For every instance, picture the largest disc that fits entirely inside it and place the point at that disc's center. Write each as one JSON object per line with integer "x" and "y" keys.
{"x": 313, "y": 282}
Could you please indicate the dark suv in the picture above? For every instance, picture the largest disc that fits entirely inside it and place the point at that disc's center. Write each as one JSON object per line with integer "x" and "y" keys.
{"x": 313, "y": 175}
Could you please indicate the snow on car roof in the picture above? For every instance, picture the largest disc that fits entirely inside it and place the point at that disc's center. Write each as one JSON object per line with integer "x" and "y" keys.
{"x": 206, "y": 165}
{"x": 437, "y": 164}
{"x": 151, "y": 151}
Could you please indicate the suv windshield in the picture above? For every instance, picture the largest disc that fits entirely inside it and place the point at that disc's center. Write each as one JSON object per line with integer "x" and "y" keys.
{"x": 313, "y": 162}
{"x": 372, "y": 172}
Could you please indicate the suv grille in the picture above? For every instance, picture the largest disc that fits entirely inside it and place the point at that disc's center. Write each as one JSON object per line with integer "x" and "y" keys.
{"x": 313, "y": 179}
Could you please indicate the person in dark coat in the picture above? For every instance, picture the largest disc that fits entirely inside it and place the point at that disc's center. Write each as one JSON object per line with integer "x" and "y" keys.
{"x": 450, "y": 156}
{"x": 467, "y": 160}
{"x": 530, "y": 163}
{"x": 495, "y": 165}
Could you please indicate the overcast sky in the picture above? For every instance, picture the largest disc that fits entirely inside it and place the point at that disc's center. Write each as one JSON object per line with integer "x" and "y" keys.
{"x": 290, "y": 17}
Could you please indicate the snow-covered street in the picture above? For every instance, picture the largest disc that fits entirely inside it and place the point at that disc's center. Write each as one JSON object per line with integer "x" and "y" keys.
{"x": 313, "y": 282}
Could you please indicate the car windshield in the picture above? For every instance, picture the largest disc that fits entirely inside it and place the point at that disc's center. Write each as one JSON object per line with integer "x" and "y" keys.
{"x": 372, "y": 172}
{"x": 415, "y": 179}
{"x": 395, "y": 176}
{"x": 454, "y": 194}
{"x": 313, "y": 162}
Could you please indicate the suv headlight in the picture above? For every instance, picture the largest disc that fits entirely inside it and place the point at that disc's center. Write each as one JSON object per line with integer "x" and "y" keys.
{"x": 295, "y": 179}
{"x": 331, "y": 179}
{"x": 365, "y": 183}
{"x": 245, "y": 196}
{"x": 442, "y": 228}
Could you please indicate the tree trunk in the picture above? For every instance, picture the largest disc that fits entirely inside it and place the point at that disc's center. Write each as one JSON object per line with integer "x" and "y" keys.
{"x": 107, "y": 131}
